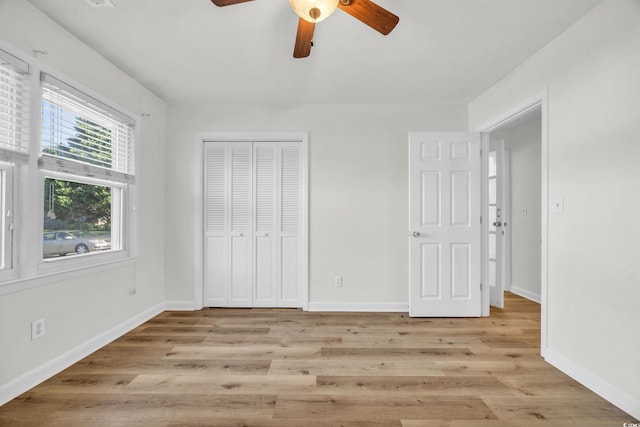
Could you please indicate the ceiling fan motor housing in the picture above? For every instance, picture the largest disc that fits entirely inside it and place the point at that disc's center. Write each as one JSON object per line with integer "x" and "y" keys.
{"x": 313, "y": 10}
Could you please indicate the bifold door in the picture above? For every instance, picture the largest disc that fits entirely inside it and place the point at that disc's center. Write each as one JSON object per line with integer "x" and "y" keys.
{"x": 255, "y": 239}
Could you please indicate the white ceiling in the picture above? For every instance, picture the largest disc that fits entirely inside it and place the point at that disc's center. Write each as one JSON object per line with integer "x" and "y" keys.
{"x": 441, "y": 52}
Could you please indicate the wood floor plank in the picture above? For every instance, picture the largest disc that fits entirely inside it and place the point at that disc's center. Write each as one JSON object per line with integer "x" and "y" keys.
{"x": 422, "y": 354}
{"x": 288, "y": 422}
{"x": 275, "y": 352}
{"x": 289, "y": 368}
{"x": 260, "y": 341}
{"x": 176, "y": 366}
{"x": 432, "y": 385}
{"x": 227, "y": 384}
{"x": 353, "y": 367}
{"x": 556, "y": 409}
{"x": 354, "y": 407}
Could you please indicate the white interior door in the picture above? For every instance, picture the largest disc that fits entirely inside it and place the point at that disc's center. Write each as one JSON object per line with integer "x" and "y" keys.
{"x": 495, "y": 203}
{"x": 445, "y": 229}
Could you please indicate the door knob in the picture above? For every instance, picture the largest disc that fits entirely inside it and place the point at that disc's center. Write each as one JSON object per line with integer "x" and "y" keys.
{"x": 416, "y": 234}
{"x": 497, "y": 224}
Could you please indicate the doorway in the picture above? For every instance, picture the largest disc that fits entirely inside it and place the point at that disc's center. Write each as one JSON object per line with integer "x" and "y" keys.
{"x": 514, "y": 226}
{"x": 537, "y": 106}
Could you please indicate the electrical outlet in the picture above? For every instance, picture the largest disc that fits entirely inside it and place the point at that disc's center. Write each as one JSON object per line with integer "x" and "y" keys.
{"x": 37, "y": 329}
{"x": 338, "y": 281}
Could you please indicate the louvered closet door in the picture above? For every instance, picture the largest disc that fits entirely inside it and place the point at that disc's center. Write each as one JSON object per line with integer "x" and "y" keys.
{"x": 215, "y": 215}
{"x": 290, "y": 224}
{"x": 266, "y": 275}
{"x": 228, "y": 224}
{"x": 241, "y": 241}
{"x": 254, "y": 224}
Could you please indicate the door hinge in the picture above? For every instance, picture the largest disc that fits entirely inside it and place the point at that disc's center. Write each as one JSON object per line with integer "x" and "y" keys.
{"x": 480, "y": 286}
{"x": 480, "y": 219}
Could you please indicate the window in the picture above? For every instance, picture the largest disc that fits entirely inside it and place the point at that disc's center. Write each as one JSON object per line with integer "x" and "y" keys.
{"x": 87, "y": 165}
{"x": 67, "y": 177}
{"x": 14, "y": 138}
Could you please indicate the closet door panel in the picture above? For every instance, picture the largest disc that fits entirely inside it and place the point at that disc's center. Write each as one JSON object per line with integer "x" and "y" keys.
{"x": 265, "y": 244}
{"x": 241, "y": 204}
{"x": 290, "y": 189}
{"x": 216, "y": 265}
{"x": 290, "y": 205}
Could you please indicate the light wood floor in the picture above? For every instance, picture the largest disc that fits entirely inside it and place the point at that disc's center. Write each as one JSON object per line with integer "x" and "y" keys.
{"x": 288, "y": 368}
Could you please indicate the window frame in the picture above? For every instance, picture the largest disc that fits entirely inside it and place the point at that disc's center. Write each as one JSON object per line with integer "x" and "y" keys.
{"x": 30, "y": 269}
{"x": 118, "y": 205}
{"x": 16, "y": 122}
{"x": 7, "y": 221}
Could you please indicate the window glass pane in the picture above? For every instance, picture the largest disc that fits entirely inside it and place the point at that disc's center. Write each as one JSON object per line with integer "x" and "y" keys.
{"x": 492, "y": 274}
{"x": 492, "y": 191}
{"x": 14, "y": 110}
{"x": 492, "y": 245}
{"x": 77, "y": 127}
{"x": 77, "y": 218}
{"x": 73, "y": 137}
{"x": 492, "y": 164}
{"x": 3, "y": 218}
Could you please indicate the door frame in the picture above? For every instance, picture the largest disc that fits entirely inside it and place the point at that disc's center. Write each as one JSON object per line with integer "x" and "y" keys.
{"x": 198, "y": 236}
{"x": 540, "y": 100}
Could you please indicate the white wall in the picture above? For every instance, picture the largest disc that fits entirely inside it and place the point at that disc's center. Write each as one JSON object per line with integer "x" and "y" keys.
{"x": 591, "y": 72}
{"x": 523, "y": 141}
{"x": 80, "y": 309}
{"x": 358, "y": 190}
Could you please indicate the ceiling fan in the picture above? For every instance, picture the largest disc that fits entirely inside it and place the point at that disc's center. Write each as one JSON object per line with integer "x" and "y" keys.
{"x": 314, "y": 11}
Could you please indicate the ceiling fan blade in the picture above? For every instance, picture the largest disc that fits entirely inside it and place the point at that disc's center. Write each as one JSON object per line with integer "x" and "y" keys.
{"x": 371, "y": 14}
{"x": 304, "y": 39}
{"x": 227, "y": 2}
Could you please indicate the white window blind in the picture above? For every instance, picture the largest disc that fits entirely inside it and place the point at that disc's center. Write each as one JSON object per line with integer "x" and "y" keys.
{"x": 84, "y": 136}
{"x": 14, "y": 108}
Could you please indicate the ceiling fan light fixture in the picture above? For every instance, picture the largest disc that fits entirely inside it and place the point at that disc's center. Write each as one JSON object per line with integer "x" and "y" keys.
{"x": 314, "y": 10}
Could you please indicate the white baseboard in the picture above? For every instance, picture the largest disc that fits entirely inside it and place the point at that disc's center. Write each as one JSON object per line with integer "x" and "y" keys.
{"x": 359, "y": 306}
{"x": 180, "y": 306}
{"x": 607, "y": 391}
{"x": 526, "y": 294}
{"x": 34, "y": 377}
